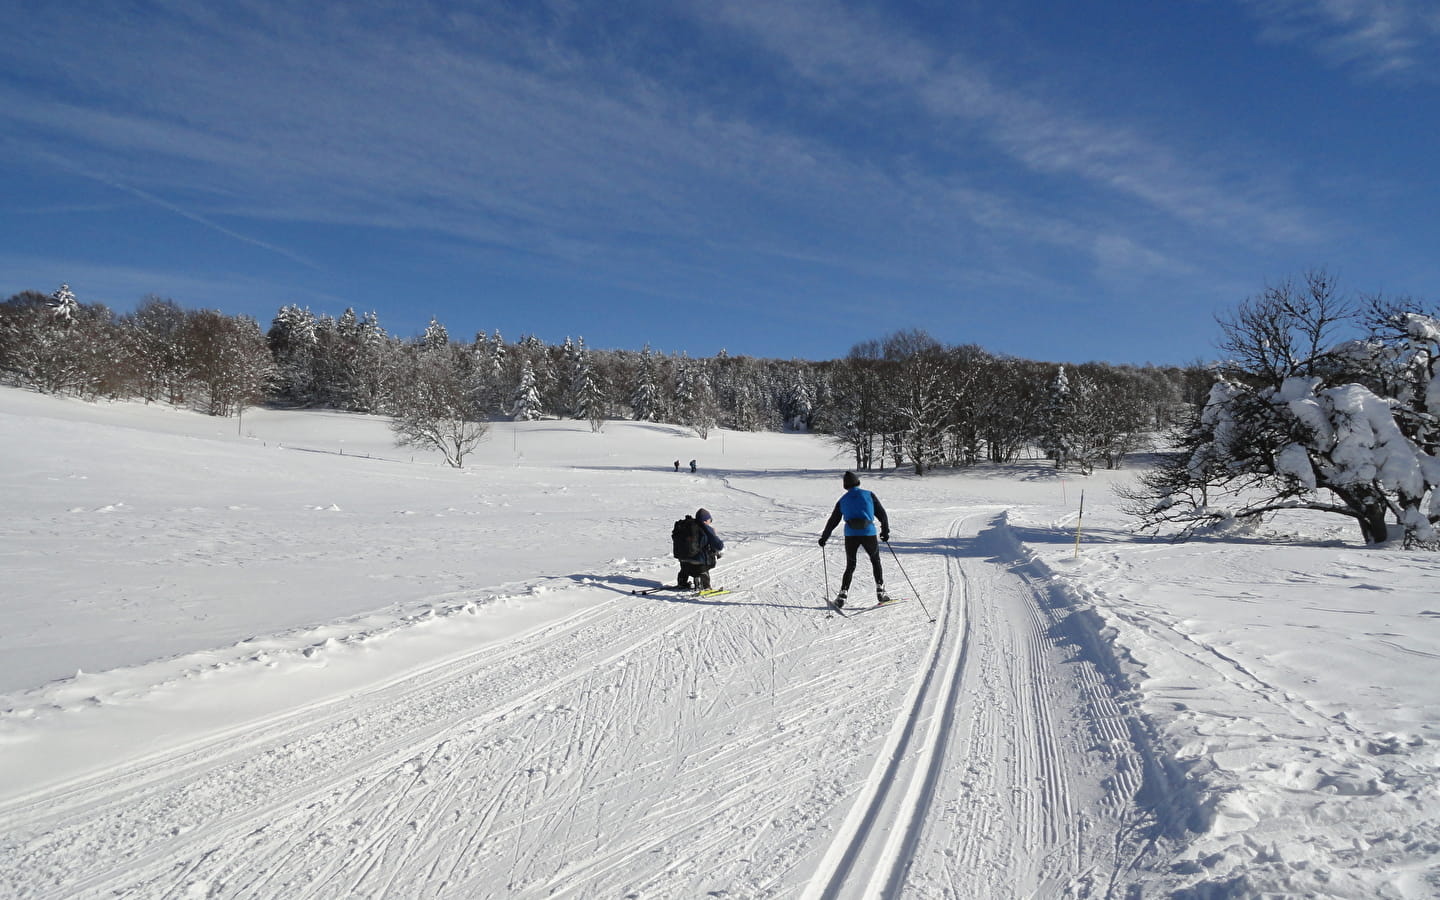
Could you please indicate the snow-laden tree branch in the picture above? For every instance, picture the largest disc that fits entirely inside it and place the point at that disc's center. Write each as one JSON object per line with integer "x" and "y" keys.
{"x": 1298, "y": 420}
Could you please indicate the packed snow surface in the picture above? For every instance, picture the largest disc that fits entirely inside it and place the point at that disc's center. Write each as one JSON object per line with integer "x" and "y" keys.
{"x": 279, "y": 657}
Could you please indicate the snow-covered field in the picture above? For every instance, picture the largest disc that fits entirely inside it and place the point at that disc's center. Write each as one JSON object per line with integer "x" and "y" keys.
{"x": 282, "y": 658}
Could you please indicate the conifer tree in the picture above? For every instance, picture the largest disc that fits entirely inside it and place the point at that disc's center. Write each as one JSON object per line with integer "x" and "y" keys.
{"x": 435, "y": 336}
{"x": 588, "y": 390}
{"x": 527, "y": 404}
{"x": 293, "y": 342}
{"x": 63, "y": 305}
{"x": 645, "y": 400}
{"x": 1056, "y": 438}
{"x": 694, "y": 396}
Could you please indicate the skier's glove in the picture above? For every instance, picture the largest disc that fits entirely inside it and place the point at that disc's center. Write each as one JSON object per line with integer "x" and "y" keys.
{"x": 823, "y": 540}
{"x": 885, "y": 536}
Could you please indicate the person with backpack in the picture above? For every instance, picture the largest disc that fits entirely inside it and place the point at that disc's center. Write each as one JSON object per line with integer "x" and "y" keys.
{"x": 859, "y": 509}
{"x": 697, "y": 546}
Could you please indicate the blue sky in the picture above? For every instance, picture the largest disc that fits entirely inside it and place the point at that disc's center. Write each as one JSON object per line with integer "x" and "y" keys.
{"x": 778, "y": 178}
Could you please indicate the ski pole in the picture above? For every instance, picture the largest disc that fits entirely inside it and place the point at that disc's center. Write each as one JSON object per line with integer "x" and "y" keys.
{"x": 825, "y": 564}
{"x": 908, "y": 581}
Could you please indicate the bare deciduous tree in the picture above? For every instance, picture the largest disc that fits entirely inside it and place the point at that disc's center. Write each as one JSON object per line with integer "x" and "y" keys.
{"x": 437, "y": 407}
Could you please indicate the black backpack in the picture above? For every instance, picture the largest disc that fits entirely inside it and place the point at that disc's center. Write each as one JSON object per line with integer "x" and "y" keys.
{"x": 686, "y": 538}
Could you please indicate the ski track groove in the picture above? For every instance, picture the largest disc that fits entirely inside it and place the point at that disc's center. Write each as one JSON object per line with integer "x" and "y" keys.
{"x": 1024, "y": 710}
{"x": 753, "y": 745}
{"x": 345, "y": 723}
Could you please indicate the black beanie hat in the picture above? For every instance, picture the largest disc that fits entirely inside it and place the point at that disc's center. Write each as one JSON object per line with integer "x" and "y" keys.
{"x": 850, "y": 479}
{"x": 702, "y": 514}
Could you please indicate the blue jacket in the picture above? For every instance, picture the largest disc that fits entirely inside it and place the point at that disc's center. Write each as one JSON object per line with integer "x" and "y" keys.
{"x": 859, "y": 508}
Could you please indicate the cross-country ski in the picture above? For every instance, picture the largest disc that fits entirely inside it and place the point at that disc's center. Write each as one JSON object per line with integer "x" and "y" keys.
{"x": 893, "y": 601}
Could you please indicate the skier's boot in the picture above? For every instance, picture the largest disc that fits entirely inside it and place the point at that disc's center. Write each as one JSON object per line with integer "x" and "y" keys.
{"x": 840, "y": 600}
{"x": 880, "y": 595}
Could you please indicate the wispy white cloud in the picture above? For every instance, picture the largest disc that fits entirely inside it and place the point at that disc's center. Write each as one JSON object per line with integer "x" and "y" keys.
{"x": 1379, "y": 38}
{"x": 964, "y": 102}
{"x": 178, "y": 210}
{"x": 413, "y": 132}
{"x": 501, "y": 132}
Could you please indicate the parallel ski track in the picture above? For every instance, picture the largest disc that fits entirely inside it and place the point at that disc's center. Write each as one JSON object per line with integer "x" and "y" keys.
{"x": 658, "y": 747}
{"x": 1013, "y": 768}
{"x": 878, "y": 836}
{"x": 418, "y": 784}
{"x": 404, "y": 715}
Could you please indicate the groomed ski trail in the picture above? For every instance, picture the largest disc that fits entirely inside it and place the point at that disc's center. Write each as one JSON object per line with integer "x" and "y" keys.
{"x": 1012, "y": 768}
{"x": 744, "y": 745}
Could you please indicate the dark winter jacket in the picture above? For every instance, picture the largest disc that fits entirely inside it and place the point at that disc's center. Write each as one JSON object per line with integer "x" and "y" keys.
{"x": 710, "y": 543}
{"x": 859, "y": 509}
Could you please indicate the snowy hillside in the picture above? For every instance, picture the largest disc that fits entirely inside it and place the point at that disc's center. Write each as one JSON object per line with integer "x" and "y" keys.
{"x": 280, "y": 657}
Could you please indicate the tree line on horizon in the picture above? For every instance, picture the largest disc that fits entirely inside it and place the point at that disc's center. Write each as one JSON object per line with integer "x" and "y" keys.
{"x": 1319, "y": 402}
{"x": 905, "y": 399}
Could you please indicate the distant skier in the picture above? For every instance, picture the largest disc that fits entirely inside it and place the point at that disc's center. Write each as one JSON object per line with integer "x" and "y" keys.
{"x": 859, "y": 508}
{"x": 697, "y": 546}
{"x": 692, "y": 467}
{"x": 677, "y": 465}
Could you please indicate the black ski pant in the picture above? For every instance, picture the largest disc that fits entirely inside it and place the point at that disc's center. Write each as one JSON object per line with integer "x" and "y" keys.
{"x": 698, "y": 571}
{"x": 854, "y": 542}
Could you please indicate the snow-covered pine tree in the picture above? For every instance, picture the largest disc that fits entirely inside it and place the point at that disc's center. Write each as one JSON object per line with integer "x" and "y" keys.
{"x": 330, "y": 361}
{"x": 694, "y": 396}
{"x": 293, "y": 342}
{"x": 497, "y": 388}
{"x": 527, "y": 405}
{"x": 568, "y": 363}
{"x": 532, "y": 351}
{"x": 370, "y": 377}
{"x": 1056, "y": 438}
{"x": 435, "y": 336}
{"x": 645, "y": 400}
{"x": 63, "y": 305}
{"x": 497, "y": 350}
{"x": 799, "y": 401}
{"x": 684, "y": 389}
{"x": 588, "y": 390}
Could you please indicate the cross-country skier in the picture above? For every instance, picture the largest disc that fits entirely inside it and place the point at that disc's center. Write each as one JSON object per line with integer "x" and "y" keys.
{"x": 859, "y": 508}
{"x": 698, "y": 566}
